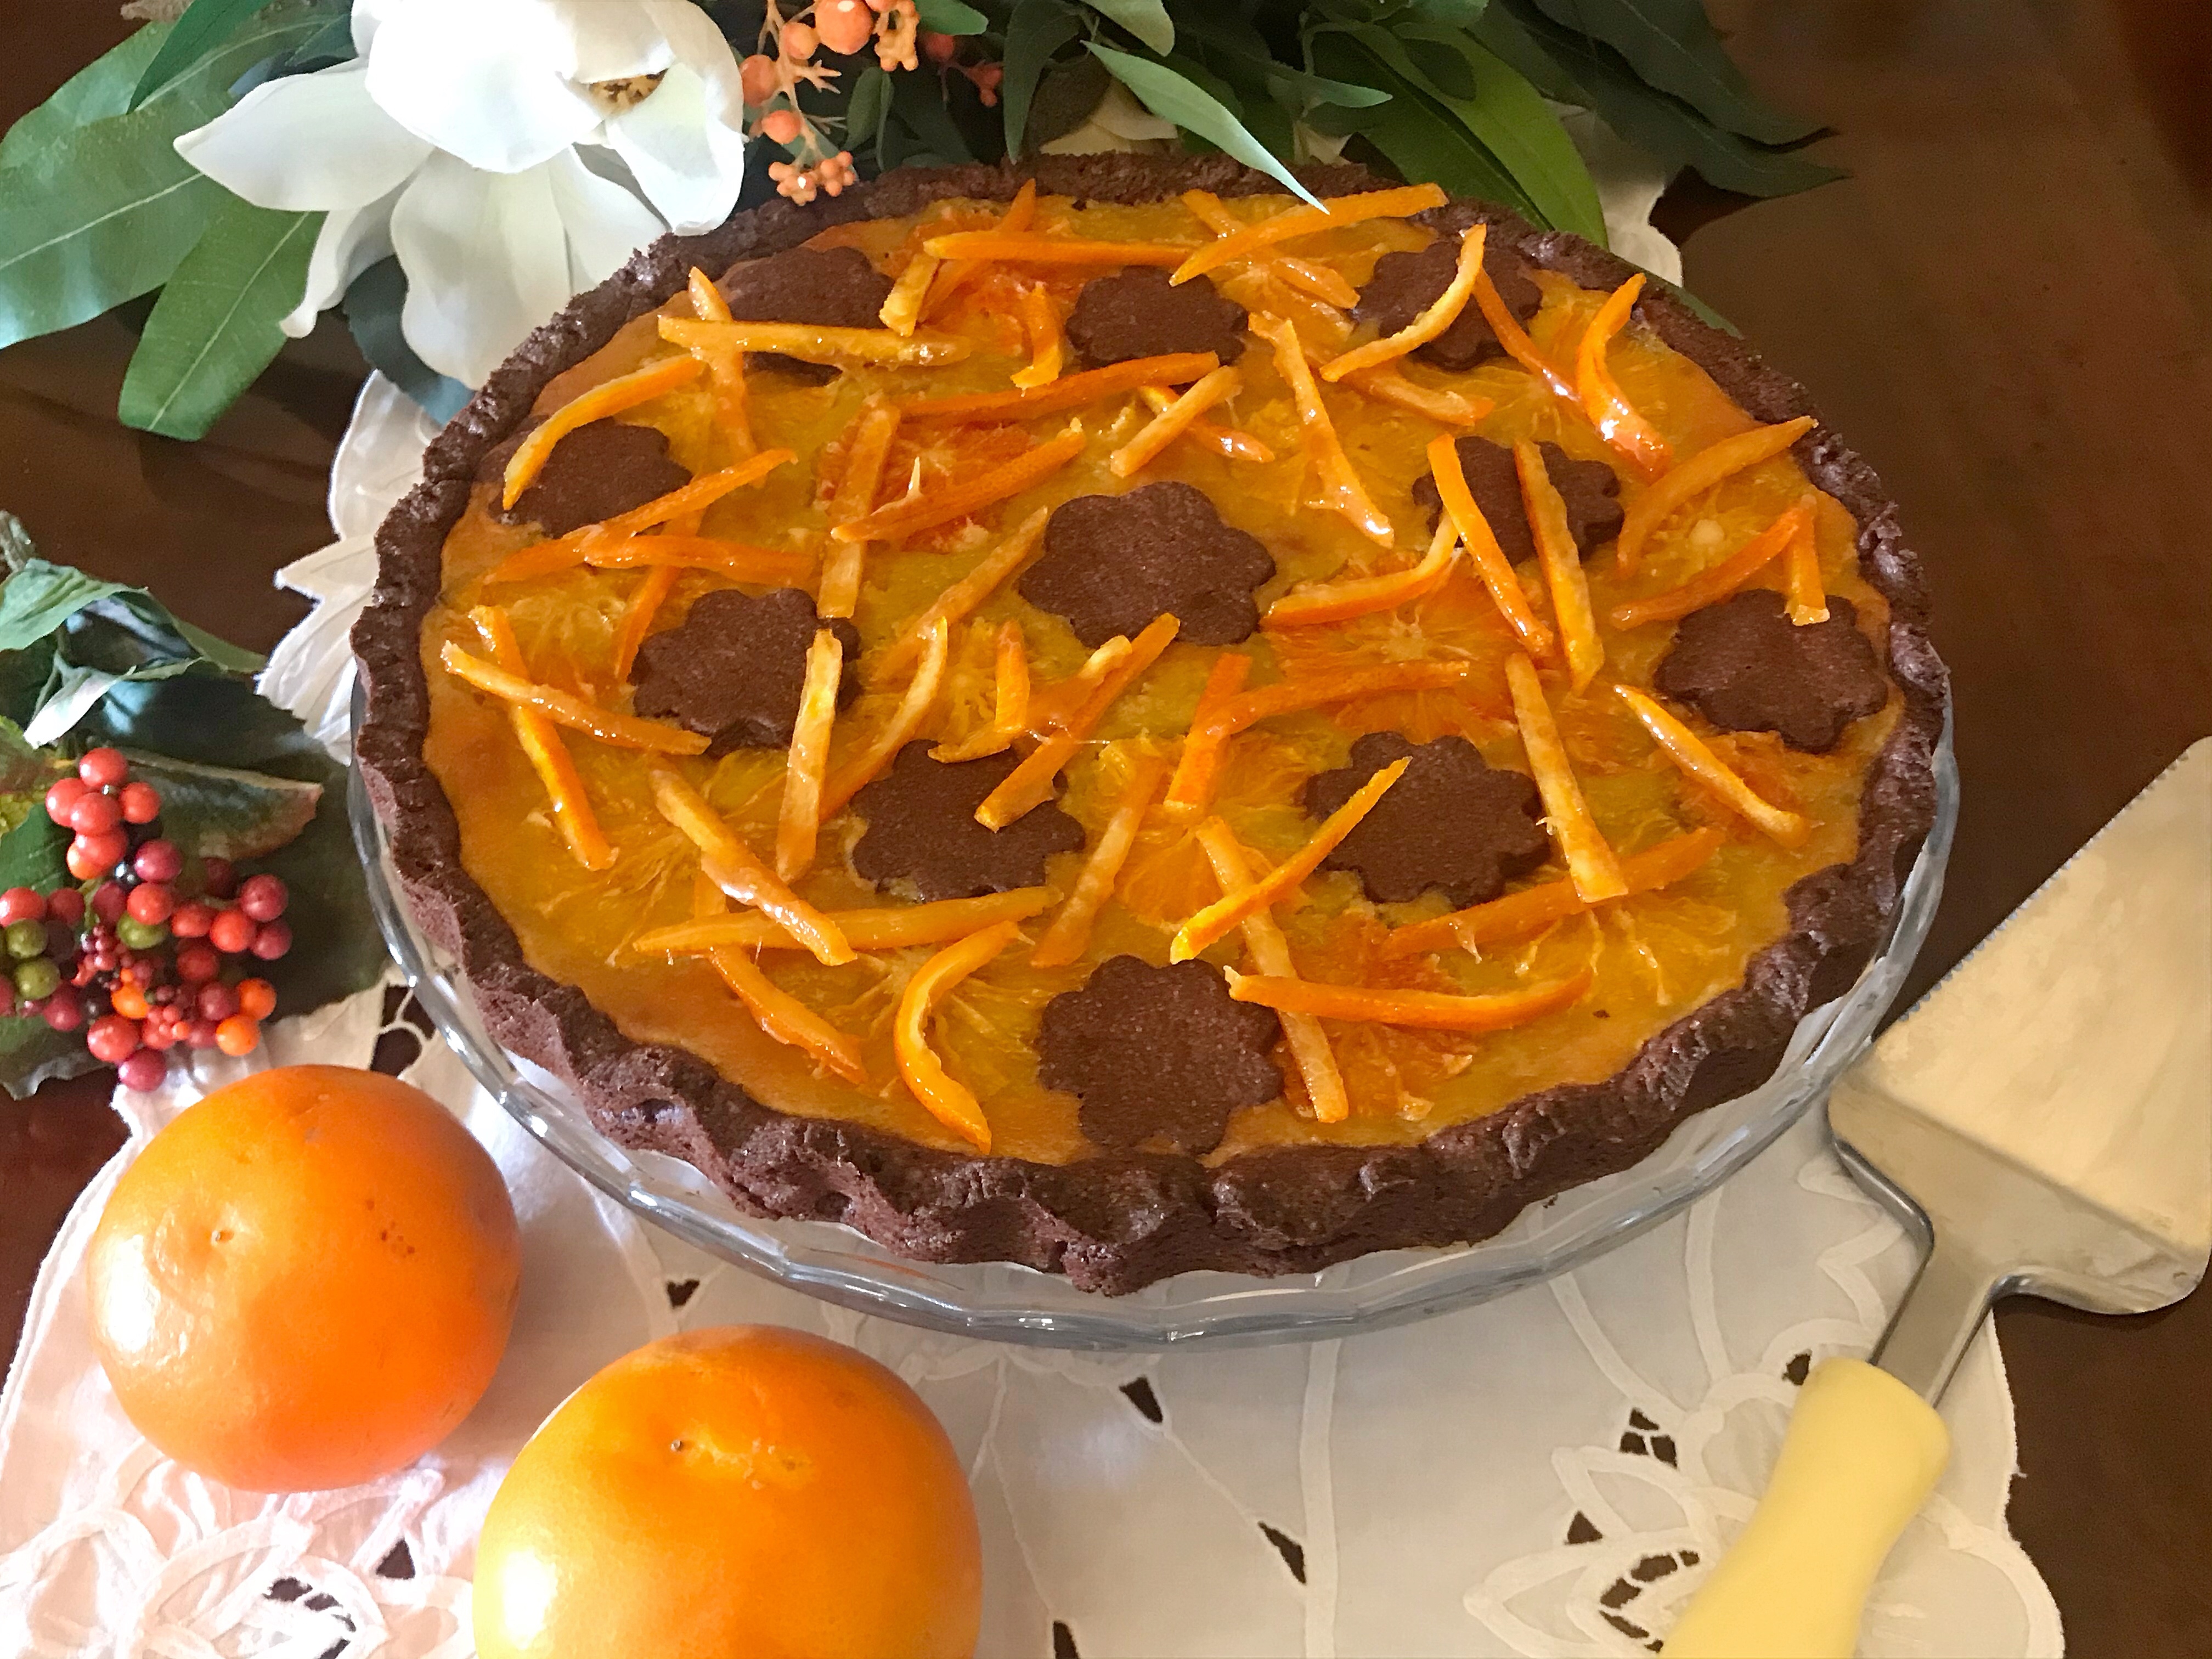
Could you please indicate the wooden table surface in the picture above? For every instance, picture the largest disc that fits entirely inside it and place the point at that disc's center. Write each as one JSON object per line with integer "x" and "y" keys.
{"x": 2007, "y": 307}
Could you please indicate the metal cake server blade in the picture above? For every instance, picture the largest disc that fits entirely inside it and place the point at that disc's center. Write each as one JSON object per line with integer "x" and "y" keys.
{"x": 2045, "y": 1112}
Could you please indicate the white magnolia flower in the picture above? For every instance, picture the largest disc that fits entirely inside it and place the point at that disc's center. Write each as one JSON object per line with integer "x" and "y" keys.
{"x": 500, "y": 148}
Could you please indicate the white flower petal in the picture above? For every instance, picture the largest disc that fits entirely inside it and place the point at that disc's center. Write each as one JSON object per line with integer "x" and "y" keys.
{"x": 481, "y": 79}
{"x": 689, "y": 164}
{"x": 306, "y": 142}
{"x": 367, "y": 16}
{"x": 350, "y": 241}
{"x": 700, "y": 45}
{"x": 608, "y": 41}
{"x": 606, "y": 224}
{"x": 487, "y": 260}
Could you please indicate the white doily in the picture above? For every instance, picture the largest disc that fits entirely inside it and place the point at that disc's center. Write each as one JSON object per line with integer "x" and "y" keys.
{"x": 1549, "y": 1473}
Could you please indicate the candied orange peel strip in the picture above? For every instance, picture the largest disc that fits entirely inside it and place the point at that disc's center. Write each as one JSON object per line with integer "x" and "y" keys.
{"x": 1010, "y": 701}
{"x": 1057, "y": 706}
{"x": 1069, "y": 392}
{"x": 1618, "y": 421}
{"x": 1029, "y": 784}
{"x": 1041, "y": 248}
{"x": 644, "y": 605}
{"x": 1562, "y": 562}
{"x": 1041, "y": 326}
{"x": 1318, "y": 280}
{"x": 549, "y": 756}
{"x": 1437, "y": 316}
{"x": 902, "y": 306}
{"x": 1689, "y": 752}
{"x": 1210, "y": 924}
{"x": 725, "y": 368}
{"x": 954, "y": 274}
{"x": 1197, "y": 767}
{"x": 951, "y": 1102}
{"x": 1312, "y": 603}
{"x": 1720, "y": 580}
{"x": 1514, "y": 338}
{"x": 739, "y": 561}
{"x": 1488, "y": 558}
{"x": 1234, "y": 445}
{"x": 1069, "y": 935}
{"x": 815, "y": 343}
{"x": 905, "y": 723}
{"x": 873, "y": 430}
{"x": 1808, "y": 602}
{"x": 1434, "y": 1010}
{"x": 1341, "y": 491}
{"x": 563, "y": 552}
{"x": 566, "y": 708}
{"x": 1534, "y": 908}
{"x": 1387, "y": 385}
{"x": 608, "y": 398}
{"x": 1173, "y": 422}
{"x": 956, "y": 602}
{"x": 1201, "y": 757}
{"x": 798, "y": 821}
{"x": 1692, "y": 477}
{"x": 1271, "y": 954}
{"x": 778, "y": 1012}
{"x": 926, "y": 511}
{"x": 735, "y": 869}
{"x": 891, "y": 928}
{"x": 1589, "y": 858}
{"x": 1333, "y": 214}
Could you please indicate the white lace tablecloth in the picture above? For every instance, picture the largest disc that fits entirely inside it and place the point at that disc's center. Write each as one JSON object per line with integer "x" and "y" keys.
{"x": 1549, "y": 1473}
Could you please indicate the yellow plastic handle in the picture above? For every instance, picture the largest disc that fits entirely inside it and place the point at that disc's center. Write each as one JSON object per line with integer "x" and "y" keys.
{"x": 1862, "y": 1454}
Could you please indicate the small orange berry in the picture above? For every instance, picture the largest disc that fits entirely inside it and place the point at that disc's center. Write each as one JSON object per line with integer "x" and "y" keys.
{"x": 257, "y": 999}
{"x": 757, "y": 78}
{"x": 782, "y": 125}
{"x": 129, "y": 1001}
{"x": 238, "y": 1035}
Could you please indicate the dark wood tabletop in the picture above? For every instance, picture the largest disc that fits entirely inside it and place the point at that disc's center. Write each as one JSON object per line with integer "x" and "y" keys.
{"x": 2007, "y": 308}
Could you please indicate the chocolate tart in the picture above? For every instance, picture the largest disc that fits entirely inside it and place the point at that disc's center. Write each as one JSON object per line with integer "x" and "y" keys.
{"x": 1113, "y": 1200}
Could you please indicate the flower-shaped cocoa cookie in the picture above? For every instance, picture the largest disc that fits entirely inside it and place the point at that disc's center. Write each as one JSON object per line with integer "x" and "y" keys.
{"x": 829, "y": 288}
{"x": 1451, "y": 822}
{"x": 1112, "y": 563}
{"x": 1747, "y": 667}
{"x": 1158, "y": 1051}
{"x": 733, "y": 669}
{"x": 1588, "y": 490}
{"x": 1405, "y": 285}
{"x": 1139, "y": 313}
{"x": 921, "y": 828}
{"x": 597, "y": 471}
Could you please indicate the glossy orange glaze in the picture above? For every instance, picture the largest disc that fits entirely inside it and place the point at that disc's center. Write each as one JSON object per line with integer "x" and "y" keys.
{"x": 1655, "y": 955}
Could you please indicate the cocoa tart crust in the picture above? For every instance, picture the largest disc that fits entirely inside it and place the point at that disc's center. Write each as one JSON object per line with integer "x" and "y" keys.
{"x": 1121, "y": 1220}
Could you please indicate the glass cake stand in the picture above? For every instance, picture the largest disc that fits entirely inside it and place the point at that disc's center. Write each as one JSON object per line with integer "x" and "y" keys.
{"x": 1012, "y": 1304}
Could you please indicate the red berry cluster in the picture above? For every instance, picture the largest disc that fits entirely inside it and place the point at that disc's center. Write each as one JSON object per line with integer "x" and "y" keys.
{"x": 135, "y": 957}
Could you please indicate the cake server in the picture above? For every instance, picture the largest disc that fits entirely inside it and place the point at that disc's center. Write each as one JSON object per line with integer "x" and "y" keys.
{"x": 2045, "y": 1112}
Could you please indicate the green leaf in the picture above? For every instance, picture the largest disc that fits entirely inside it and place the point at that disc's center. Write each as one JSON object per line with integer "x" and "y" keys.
{"x": 949, "y": 17}
{"x": 224, "y": 812}
{"x": 1147, "y": 20}
{"x": 32, "y": 854}
{"x": 1172, "y": 97}
{"x": 1227, "y": 38}
{"x": 919, "y": 103}
{"x": 32, "y": 1052}
{"x": 1673, "y": 46}
{"x": 1035, "y": 30}
{"x": 216, "y": 325}
{"x": 109, "y": 210}
{"x": 869, "y": 107}
{"x": 38, "y": 598}
{"x": 25, "y": 774}
{"x": 205, "y": 25}
{"x": 1065, "y": 98}
{"x": 1515, "y": 125}
{"x": 1665, "y": 125}
{"x": 1504, "y": 34}
{"x": 99, "y": 89}
{"x": 1416, "y": 137}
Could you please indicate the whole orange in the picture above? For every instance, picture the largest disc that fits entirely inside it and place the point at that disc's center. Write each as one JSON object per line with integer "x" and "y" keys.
{"x": 306, "y": 1280}
{"x": 742, "y": 1493}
